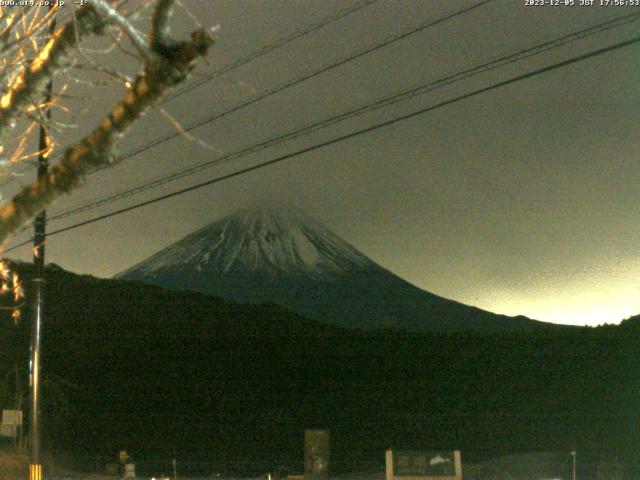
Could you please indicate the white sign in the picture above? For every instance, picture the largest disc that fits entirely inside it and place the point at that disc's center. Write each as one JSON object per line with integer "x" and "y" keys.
{"x": 423, "y": 465}
{"x": 12, "y": 417}
{"x": 8, "y": 431}
{"x": 130, "y": 471}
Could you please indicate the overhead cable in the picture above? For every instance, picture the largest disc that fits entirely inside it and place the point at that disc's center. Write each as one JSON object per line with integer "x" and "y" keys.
{"x": 357, "y": 133}
{"x": 354, "y": 112}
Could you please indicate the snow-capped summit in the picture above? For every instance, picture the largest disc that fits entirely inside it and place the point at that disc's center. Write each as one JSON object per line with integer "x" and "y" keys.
{"x": 270, "y": 240}
{"x": 281, "y": 255}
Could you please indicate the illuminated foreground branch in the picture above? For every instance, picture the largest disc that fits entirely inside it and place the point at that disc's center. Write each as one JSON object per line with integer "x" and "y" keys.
{"x": 31, "y": 82}
{"x": 167, "y": 64}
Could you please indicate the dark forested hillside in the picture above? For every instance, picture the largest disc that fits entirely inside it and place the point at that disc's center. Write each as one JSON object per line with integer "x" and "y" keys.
{"x": 166, "y": 374}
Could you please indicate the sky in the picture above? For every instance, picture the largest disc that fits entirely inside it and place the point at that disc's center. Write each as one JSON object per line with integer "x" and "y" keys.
{"x": 523, "y": 200}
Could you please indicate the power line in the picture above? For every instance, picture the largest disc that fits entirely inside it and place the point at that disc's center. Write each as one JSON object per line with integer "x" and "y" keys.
{"x": 357, "y": 133}
{"x": 270, "y": 48}
{"x": 545, "y": 46}
{"x": 383, "y": 102}
{"x": 359, "y": 53}
{"x": 246, "y": 103}
{"x": 281, "y": 42}
{"x": 369, "y": 49}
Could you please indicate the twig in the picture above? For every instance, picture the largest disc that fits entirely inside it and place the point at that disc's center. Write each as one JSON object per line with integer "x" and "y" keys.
{"x": 171, "y": 66}
{"x": 114, "y": 17}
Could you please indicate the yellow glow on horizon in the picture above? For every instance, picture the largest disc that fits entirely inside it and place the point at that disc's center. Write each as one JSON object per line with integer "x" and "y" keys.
{"x": 568, "y": 306}
{"x": 589, "y": 291}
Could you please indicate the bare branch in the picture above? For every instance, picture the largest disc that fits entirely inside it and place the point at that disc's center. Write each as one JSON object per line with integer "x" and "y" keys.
{"x": 32, "y": 80}
{"x": 12, "y": 21}
{"x": 163, "y": 73}
{"x": 118, "y": 43}
{"x": 92, "y": 64}
{"x": 108, "y": 72}
{"x": 111, "y": 15}
{"x": 185, "y": 134}
{"x": 160, "y": 25}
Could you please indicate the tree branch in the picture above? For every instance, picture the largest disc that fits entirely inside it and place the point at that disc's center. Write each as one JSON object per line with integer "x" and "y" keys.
{"x": 113, "y": 16}
{"x": 31, "y": 81}
{"x": 168, "y": 68}
{"x": 159, "y": 34}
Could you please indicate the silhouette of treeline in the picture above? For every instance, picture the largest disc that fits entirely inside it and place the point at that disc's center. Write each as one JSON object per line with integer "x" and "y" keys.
{"x": 167, "y": 374}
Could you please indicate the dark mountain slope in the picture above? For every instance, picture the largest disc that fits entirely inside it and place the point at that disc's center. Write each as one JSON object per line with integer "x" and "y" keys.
{"x": 227, "y": 387}
{"x": 283, "y": 256}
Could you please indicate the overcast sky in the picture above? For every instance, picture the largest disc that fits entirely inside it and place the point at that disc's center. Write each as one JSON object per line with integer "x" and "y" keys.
{"x": 522, "y": 200}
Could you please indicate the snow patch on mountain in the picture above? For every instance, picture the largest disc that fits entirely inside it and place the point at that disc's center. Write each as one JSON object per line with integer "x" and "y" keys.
{"x": 282, "y": 256}
{"x": 269, "y": 240}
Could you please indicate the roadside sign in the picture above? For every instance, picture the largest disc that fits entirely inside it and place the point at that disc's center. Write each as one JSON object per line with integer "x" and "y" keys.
{"x": 316, "y": 454}
{"x": 423, "y": 465}
{"x": 12, "y": 417}
{"x": 8, "y": 431}
{"x": 129, "y": 471}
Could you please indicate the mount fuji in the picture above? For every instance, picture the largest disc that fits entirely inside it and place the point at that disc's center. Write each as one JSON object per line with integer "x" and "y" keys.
{"x": 281, "y": 255}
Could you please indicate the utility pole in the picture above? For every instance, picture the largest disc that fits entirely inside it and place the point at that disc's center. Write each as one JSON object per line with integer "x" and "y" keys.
{"x": 573, "y": 454}
{"x": 37, "y": 306}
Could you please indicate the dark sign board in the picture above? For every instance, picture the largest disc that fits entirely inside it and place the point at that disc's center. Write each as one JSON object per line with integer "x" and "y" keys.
{"x": 316, "y": 454}
{"x": 445, "y": 464}
{"x": 424, "y": 464}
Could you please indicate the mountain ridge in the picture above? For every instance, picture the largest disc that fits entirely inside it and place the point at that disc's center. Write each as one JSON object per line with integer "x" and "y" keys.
{"x": 260, "y": 239}
{"x": 282, "y": 255}
{"x": 216, "y": 381}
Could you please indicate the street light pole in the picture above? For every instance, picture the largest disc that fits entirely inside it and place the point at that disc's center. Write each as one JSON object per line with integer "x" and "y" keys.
{"x": 35, "y": 472}
{"x": 573, "y": 454}
{"x": 35, "y": 364}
